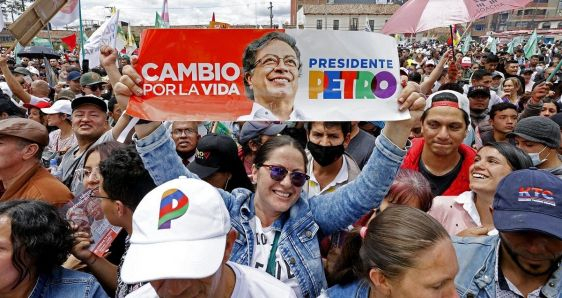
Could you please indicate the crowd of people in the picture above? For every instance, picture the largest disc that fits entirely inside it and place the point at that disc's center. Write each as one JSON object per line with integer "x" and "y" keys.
{"x": 463, "y": 199}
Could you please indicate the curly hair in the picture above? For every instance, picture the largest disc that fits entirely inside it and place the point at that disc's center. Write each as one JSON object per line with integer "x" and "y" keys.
{"x": 41, "y": 238}
{"x": 124, "y": 177}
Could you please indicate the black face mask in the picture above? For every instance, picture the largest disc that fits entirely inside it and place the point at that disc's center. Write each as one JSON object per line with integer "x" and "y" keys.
{"x": 325, "y": 155}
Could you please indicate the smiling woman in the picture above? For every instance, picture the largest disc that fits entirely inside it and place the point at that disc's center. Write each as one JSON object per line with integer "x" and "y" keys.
{"x": 471, "y": 209}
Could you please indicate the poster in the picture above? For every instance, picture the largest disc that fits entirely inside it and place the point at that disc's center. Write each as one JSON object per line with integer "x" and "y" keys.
{"x": 251, "y": 74}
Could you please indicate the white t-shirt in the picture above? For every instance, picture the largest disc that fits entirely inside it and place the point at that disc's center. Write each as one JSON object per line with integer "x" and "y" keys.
{"x": 262, "y": 250}
{"x": 249, "y": 283}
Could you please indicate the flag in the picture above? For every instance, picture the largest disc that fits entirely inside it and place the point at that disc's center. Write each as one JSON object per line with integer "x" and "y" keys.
{"x": 49, "y": 73}
{"x": 121, "y": 40}
{"x": 466, "y": 44}
{"x": 131, "y": 45}
{"x": 493, "y": 45}
{"x": 158, "y": 22}
{"x": 2, "y": 25}
{"x": 43, "y": 42}
{"x": 106, "y": 34}
{"x": 457, "y": 37}
{"x": 221, "y": 129}
{"x": 70, "y": 41}
{"x": 69, "y": 13}
{"x": 530, "y": 48}
{"x": 165, "y": 15}
{"x": 33, "y": 19}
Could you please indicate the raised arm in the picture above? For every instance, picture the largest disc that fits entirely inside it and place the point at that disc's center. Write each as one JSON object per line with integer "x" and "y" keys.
{"x": 427, "y": 85}
{"x": 337, "y": 210}
{"x": 13, "y": 83}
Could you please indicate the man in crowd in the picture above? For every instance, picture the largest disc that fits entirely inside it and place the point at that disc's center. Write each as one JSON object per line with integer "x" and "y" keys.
{"x": 503, "y": 118}
{"x": 179, "y": 258}
{"x": 479, "y": 98}
{"x": 524, "y": 259}
{"x": 21, "y": 145}
{"x": 483, "y": 78}
{"x": 9, "y": 109}
{"x": 491, "y": 63}
{"x": 91, "y": 83}
{"x": 253, "y": 134}
{"x": 114, "y": 111}
{"x": 73, "y": 80}
{"x": 361, "y": 144}
{"x": 540, "y": 138}
{"x": 38, "y": 91}
{"x": 440, "y": 155}
{"x": 186, "y": 136}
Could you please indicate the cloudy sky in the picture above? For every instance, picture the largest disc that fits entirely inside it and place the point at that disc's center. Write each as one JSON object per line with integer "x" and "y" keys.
{"x": 190, "y": 12}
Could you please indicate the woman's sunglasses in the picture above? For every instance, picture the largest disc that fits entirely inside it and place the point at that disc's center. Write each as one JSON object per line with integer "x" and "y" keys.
{"x": 278, "y": 173}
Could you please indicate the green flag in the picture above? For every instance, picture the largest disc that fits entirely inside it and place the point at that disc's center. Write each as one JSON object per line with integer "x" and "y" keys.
{"x": 36, "y": 41}
{"x": 221, "y": 129}
{"x": 493, "y": 46}
{"x": 466, "y": 44}
{"x": 158, "y": 22}
{"x": 530, "y": 48}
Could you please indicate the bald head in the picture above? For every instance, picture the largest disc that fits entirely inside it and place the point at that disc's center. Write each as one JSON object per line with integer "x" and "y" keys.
{"x": 40, "y": 88}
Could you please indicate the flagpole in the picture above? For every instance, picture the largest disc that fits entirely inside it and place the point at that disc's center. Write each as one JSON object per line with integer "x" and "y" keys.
{"x": 81, "y": 29}
{"x": 452, "y": 40}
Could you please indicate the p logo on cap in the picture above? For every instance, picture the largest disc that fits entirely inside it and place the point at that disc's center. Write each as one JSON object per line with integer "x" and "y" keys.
{"x": 168, "y": 211}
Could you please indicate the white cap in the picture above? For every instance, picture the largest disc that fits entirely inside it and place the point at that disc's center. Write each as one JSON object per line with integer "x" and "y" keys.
{"x": 60, "y": 106}
{"x": 449, "y": 98}
{"x": 179, "y": 232}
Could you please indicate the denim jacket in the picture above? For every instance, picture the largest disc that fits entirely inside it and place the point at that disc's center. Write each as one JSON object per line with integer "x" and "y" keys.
{"x": 67, "y": 283}
{"x": 357, "y": 289}
{"x": 477, "y": 269}
{"x": 307, "y": 218}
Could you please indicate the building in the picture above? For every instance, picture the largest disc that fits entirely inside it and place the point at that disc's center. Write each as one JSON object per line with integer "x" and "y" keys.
{"x": 296, "y": 5}
{"x": 350, "y": 17}
{"x": 536, "y": 14}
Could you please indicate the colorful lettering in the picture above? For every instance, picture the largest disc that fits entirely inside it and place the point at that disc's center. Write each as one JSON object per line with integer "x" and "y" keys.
{"x": 167, "y": 210}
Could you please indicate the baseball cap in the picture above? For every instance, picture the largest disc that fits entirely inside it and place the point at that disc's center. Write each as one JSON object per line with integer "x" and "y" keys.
{"x": 538, "y": 129}
{"x": 90, "y": 78}
{"x": 213, "y": 153}
{"x": 253, "y": 129}
{"x": 73, "y": 75}
{"x": 60, "y": 106}
{"x": 26, "y": 129}
{"x": 179, "y": 232}
{"x": 430, "y": 62}
{"x": 448, "y": 98}
{"x": 527, "y": 71}
{"x": 22, "y": 71}
{"x": 466, "y": 62}
{"x": 478, "y": 91}
{"x": 41, "y": 104}
{"x": 89, "y": 99}
{"x": 529, "y": 200}
{"x": 66, "y": 94}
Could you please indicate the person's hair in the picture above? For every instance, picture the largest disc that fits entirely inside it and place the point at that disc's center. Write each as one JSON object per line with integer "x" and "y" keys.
{"x": 492, "y": 58}
{"x": 501, "y": 107}
{"x": 479, "y": 74}
{"x": 345, "y": 126}
{"x": 104, "y": 149}
{"x": 10, "y": 108}
{"x": 511, "y": 62}
{"x": 549, "y": 99}
{"x": 516, "y": 157}
{"x": 395, "y": 240}
{"x": 125, "y": 178}
{"x": 415, "y": 77}
{"x": 41, "y": 238}
{"x": 451, "y": 86}
{"x": 264, "y": 153}
{"x": 516, "y": 84}
{"x": 23, "y": 142}
{"x": 111, "y": 103}
{"x": 249, "y": 57}
{"x": 446, "y": 96}
{"x": 409, "y": 185}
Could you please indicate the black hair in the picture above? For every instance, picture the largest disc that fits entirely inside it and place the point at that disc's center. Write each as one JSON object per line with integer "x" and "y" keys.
{"x": 41, "y": 238}
{"x": 10, "y": 108}
{"x": 501, "y": 107}
{"x": 104, "y": 149}
{"x": 447, "y": 96}
{"x": 517, "y": 158}
{"x": 394, "y": 241}
{"x": 263, "y": 154}
{"x": 491, "y": 58}
{"x": 479, "y": 74}
{"x": 111, "y": 103}
{"x": 249, "y": 57}
{"x": 344, "y": 125}
{"x": 549, "y": 99}
{"x": 125, "y": 178}
{"x": 415, "y": 77}
{"x": 451, "y": 86}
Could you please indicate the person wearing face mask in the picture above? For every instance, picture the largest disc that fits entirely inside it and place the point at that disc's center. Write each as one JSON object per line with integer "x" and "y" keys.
{"x": 540, "y": 138}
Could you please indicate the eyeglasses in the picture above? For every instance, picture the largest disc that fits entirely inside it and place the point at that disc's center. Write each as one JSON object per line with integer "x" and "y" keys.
{"x": 180, "y": 132}
{"x": 94, "y": 88}
{"x": 274, "y": 60}
{"x": 278, "y": 173}
{"x": 93, "y": 173}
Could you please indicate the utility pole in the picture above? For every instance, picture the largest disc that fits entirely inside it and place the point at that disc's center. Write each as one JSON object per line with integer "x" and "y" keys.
{"x": 270, "y": 15}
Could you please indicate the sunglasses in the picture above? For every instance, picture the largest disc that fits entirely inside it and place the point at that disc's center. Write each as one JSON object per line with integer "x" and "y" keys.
{"x": 278, "y": 173}
{"x": 94, "y": 88}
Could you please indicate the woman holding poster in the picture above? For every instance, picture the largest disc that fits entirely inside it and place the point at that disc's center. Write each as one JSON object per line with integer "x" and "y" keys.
{"x": 276, "y": 213}
{"x": 271, "y": 67}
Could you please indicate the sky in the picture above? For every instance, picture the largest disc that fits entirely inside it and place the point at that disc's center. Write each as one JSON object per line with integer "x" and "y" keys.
{"x": 190, "y": 12}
